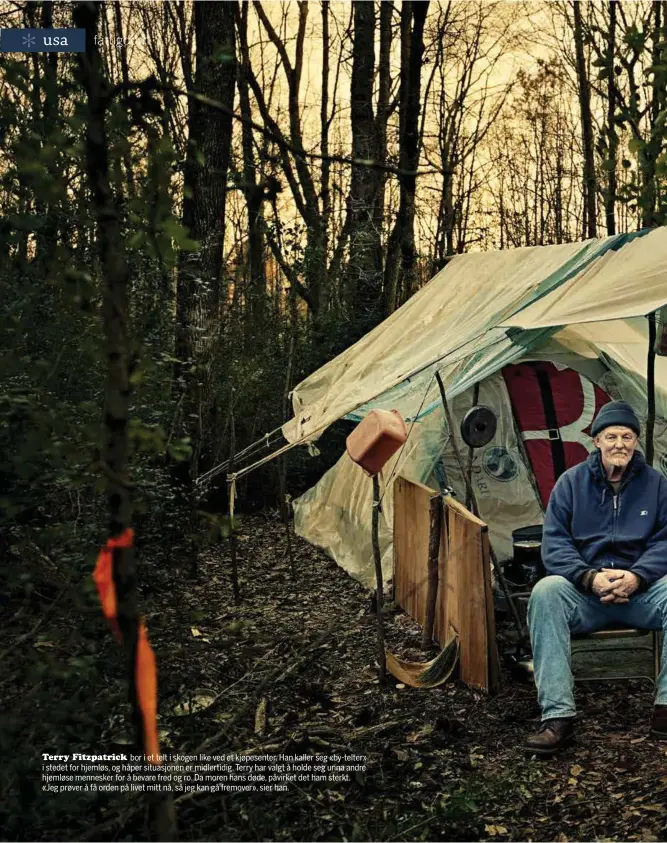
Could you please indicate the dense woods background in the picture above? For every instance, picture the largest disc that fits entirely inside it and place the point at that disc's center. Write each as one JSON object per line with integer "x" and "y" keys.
{"x": 218, "y": 197}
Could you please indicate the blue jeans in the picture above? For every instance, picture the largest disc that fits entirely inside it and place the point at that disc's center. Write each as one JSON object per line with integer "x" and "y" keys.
{"x": 557, "y": 609}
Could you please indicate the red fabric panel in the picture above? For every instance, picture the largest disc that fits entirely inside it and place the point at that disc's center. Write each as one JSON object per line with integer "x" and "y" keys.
{"x": 527, "y": 405}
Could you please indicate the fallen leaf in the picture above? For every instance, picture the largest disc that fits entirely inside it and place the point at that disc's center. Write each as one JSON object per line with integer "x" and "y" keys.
{"x": 494, "y": 830}
{"x": 195, "y": 632}
{"x": 576, "y": 770}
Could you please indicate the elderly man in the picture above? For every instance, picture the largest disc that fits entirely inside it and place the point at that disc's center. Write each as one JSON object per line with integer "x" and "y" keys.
{"x": 605, "y": 551}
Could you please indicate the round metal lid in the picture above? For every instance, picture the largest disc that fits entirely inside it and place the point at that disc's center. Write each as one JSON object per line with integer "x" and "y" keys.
{"x": 478, "y": 426}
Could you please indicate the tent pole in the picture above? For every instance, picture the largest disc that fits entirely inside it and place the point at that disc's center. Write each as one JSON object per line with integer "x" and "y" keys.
{"x": 470, "y": 492}
{"x": 379, "y": 596}
{"x": 232, "y": 494}
{"x": 471, "y": 450}
{"x": 650, "y": 388}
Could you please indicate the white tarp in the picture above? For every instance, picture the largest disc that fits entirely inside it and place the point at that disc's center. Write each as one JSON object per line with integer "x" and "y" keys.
{"x": 452, "y": 317}
{"x": 629, "y": 282}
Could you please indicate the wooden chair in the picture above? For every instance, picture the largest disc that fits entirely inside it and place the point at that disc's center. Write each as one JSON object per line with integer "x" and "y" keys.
{"x": 618, "y": 653}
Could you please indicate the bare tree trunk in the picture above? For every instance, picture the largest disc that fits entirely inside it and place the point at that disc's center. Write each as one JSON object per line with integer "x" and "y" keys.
{"x": 558, "y": 193}
{"x": 254, "y": 195}
{"x": 402, "y": 240}
{"x": 589, "y": 185}
{"x": 199, "y": 293}
{"x": 116, "y": 319}
{"x": 115, "y": 313}
{"x": 612, "y": 134}
{"x": 295, "y": 166}
{"x": 325, "y": 190}
{"x": 379, "y": 593}
{"x": 382, "y": 115}
{"x": 121, "y": 50}
{"x": 652, "y": 213}
{"x": 364, "y": 270}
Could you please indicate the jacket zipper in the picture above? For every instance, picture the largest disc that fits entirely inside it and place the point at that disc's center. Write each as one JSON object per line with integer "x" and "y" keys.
{"x": 613, "y": 528}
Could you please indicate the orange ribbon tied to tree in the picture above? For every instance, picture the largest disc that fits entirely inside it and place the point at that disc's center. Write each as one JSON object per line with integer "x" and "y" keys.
{"x": 145, "y": 669}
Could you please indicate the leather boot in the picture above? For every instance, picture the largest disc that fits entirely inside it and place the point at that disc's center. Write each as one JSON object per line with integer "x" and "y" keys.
{"x": 551, "y": 736}
{"x": 659, "y": 722}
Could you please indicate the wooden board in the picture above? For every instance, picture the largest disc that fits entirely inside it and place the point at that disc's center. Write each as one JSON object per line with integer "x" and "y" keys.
{"x": 411, "y": 527}
{"x": 469, "y": 595}
{"x": 465, "y": 601}
{"x": 492, "y": 645}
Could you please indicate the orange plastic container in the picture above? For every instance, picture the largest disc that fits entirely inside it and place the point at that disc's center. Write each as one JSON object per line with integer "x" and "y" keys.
{"x": 376, "y": 438}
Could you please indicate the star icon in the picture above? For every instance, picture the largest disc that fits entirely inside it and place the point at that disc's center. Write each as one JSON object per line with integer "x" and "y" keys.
{"x": 29, "y": 41}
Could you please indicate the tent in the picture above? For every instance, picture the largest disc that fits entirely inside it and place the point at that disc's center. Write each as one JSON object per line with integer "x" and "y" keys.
{"x": 544, "y": 335}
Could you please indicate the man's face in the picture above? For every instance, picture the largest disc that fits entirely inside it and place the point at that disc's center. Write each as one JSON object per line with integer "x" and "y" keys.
{"x": 617, "y": 445}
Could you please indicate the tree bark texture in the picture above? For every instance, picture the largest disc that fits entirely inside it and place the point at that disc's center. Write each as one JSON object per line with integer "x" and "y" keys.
{"x": 364, "y": 269}
{"x": 253, "y": 190}
{"x": 584, "y": 90}
{"x": 652, "y": 212}
{"x": 115, "y": 316}
{"x": 612, "y": 134}
{"x": 402, "y": 239}
{"x": 199, "y": 287}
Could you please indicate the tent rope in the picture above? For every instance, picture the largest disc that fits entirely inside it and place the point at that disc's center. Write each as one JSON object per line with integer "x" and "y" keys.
{"x": 322, "y": 427}
{"x": 246, "y": 452}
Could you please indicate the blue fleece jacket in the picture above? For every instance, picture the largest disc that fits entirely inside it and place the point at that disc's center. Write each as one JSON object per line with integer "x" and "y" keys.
{"x": 587, "y": 527}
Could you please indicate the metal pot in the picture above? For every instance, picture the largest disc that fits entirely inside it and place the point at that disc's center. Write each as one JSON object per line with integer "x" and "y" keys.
{"x": 527, "y": 545}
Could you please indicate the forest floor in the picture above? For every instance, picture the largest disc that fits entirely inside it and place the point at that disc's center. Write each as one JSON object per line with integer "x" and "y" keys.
{"x": 293, "y": 670}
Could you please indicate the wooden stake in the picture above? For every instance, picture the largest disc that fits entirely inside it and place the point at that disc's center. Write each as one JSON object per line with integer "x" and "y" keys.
{"x": 435, "y": 532}
{"x": 379, "y": 595}
{"x": 284, "y": 508}
{"x": 236, "y": 591}
{"x": 282, "y": 463}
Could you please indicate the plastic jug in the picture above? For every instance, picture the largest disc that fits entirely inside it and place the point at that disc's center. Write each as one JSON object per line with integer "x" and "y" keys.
{"x": 376, "y": 439}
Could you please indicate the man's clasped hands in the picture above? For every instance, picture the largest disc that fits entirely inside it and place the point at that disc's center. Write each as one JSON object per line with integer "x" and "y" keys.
{"x": 615, "y": 585}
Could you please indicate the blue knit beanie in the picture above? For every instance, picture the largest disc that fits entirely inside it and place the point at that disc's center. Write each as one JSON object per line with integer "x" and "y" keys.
{"x": 616, "y": 413}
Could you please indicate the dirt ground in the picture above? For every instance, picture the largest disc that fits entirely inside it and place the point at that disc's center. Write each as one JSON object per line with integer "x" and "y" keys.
{"x": 292, "y": 670}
